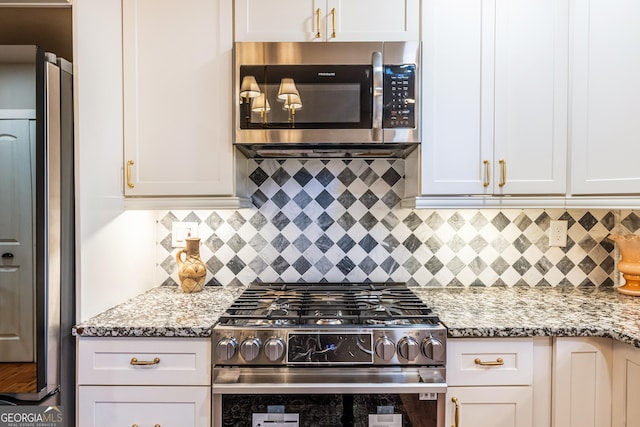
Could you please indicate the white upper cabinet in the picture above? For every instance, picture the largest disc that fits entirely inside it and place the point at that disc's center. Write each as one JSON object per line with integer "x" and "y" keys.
{"x": 326, "y": 20}
{"x": 177, "y": 64}
{"x": 605, "y": 101}
{"x": 494, "y": 97}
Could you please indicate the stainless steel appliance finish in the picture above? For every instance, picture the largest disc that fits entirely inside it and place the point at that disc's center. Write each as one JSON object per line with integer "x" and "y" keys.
{"x": 358, "y": 99}
{"x": 348, "y": 339}
{"x": 52, "y": 204}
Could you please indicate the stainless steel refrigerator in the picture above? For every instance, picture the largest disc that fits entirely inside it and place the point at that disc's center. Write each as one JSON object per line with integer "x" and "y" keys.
{"x": 37, "y": 251}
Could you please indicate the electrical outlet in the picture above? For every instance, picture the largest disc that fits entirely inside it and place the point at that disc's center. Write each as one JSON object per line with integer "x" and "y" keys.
{"x": 182, "y": 230}
{"x": 558, "y": 233}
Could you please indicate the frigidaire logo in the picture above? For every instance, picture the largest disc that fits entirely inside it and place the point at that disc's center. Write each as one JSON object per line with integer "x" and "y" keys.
{"x": 31, "y": 416}
{"x": 326, "y": 74}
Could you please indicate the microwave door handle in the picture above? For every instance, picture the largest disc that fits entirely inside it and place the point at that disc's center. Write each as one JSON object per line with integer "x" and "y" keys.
{"x": 376, "y": 62}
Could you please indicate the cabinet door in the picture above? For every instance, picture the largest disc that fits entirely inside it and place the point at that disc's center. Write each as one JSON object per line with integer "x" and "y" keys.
{"x": 280, "y": 20}
{"x": 177, "y": 95}
{"x": 490, "y": 406}
{"x": 101, "y": 406}
{"x": 372, "y": 20}
{"x": 626, "y": 385}
{"x": 531, "y": 78}
{"x": 326, "y": 20}
{"x": 494, "y": 97}
{"x": 582, "y": 373}
{"x": 457, "y": 136}
{"x": 605, "y": 100}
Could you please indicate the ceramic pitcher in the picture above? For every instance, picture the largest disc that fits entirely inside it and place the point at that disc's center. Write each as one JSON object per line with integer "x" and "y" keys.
{"x": 192, "y": 271}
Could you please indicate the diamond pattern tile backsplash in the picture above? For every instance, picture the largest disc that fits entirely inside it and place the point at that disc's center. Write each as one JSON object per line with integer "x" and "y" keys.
{"x": 341, "y": 221}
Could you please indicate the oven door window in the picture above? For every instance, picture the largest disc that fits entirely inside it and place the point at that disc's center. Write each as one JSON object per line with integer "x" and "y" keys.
{"x": 306, "y": 97}
{"x": 406, "y": 410}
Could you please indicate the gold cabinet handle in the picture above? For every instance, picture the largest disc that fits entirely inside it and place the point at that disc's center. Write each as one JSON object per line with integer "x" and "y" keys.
{"x": 499, "y": 362}
{"x": 487, "y": 172}
{"x": 136, "y": 425}
{"x": 129, "y": 164}
{"x": 503, "y": 172}
{"x": 333, "y": 23}
{"x": 456, "y": 416}
{"x": 318, "y": 35}
{"x": 136, "y": 362}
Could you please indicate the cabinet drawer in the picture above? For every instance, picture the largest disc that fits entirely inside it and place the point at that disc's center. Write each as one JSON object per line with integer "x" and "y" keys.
{"x": 144, "y": 406}
{"x": 144, "y": 361}
{"x": 489, "y": 361}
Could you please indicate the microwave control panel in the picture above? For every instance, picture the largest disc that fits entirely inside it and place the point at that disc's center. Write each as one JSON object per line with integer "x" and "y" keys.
{"x": 399, "y": 96}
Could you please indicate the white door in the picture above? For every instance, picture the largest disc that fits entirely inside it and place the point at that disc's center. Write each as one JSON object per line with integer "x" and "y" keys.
{"x": 16, "y": 248}
{"x": 490, "y": 406}
{"x": 531, "y": 78}
{"x": 177, "y": 60}
{"x": 457, "y": 94}
{"x": 582, "y": 372}
{"x": 605, "y": 97}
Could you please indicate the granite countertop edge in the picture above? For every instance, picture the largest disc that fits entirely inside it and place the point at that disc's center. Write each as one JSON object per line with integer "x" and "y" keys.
{"x": 480, "y": 312}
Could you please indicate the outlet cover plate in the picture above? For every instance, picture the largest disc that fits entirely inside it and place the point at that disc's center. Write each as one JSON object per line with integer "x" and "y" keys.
{"x": 182, "y": 230}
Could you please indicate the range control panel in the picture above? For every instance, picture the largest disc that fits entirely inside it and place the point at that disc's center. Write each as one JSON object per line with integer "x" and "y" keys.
{"x": 399, "y": 96}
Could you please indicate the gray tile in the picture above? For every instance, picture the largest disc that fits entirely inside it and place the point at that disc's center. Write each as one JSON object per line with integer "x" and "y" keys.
{"x": 236, "y": 243}
{"x": 368, "y": 221}
{"x": 236, "y": 265}
{"x": 369, "y": 199}
{"x": 412, "y": 221}
{"x": 302, "y": 199}
{"x": 280, "y": 243}
{"x": 324, "y": 243}
{"x": 214, "y": 221}
{"x": 301, "y": 265}
{"x": 346, "y": 243}
{"x": 345, "y": 265}
{"x": 280, "y": 177}
{"x": 302, "y": 177}
{"x": 347, "y": 199}
{"x": 302, "y": 243}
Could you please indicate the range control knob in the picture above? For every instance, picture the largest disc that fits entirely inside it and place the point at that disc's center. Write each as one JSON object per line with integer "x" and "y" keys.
{"x": 274, "y": 348}
{"x": 385, "y": 348}
{"x": 250, "y": 348}
{"x": 408, "y": 348}
{"x": 226, "y": 348}
{"x": 433, "y": 349}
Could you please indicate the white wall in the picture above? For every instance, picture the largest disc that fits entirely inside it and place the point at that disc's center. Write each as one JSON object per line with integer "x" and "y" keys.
{"x": 18, "y": 88}
{"x": 116, "y": 258}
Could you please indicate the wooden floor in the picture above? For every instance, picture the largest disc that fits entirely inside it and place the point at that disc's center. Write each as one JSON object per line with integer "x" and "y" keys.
{"x": 18, "y": 377}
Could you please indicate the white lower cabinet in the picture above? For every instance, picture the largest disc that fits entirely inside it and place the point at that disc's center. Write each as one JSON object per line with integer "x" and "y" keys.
{"x": 501, "y": 382}
{"x": 582, "y": 371}
{"x": 144, "y": 382}
{"x": 150, "y": 406}
{"x": 626, "y": 385}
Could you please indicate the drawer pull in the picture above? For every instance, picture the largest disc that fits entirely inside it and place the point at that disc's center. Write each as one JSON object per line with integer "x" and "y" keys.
{"x": 137, "y": 362}
{"x": 499, "y": 362}
{"x": 136, "y": 425}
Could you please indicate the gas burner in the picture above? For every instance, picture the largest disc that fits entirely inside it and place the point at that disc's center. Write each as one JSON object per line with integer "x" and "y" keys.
{"x": 271, "y": 322}
{"x": 276, "y": 309}
{"x": 388, "y": 322}
{"x": 322, "y": 319}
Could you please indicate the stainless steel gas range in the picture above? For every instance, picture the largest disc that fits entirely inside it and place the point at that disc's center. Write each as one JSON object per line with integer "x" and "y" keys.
{"x": 364, "y": 352}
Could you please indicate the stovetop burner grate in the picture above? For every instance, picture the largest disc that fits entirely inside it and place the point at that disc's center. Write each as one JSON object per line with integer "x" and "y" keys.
{"x": 328, "y": 305}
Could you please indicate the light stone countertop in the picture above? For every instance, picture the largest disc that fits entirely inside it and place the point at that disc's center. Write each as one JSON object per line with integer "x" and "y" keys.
{"x": 525, "y": 312}
{"x": 166, "y": 311}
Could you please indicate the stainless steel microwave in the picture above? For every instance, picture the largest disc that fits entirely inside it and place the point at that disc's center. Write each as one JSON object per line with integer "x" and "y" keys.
{"x": 351, "y": 99}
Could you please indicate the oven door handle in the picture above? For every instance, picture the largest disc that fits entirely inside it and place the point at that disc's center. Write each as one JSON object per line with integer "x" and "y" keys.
{"x": 301, "y": 380}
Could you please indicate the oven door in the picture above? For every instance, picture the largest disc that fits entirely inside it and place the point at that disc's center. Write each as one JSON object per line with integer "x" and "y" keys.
{"x": 320, "y": 396}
